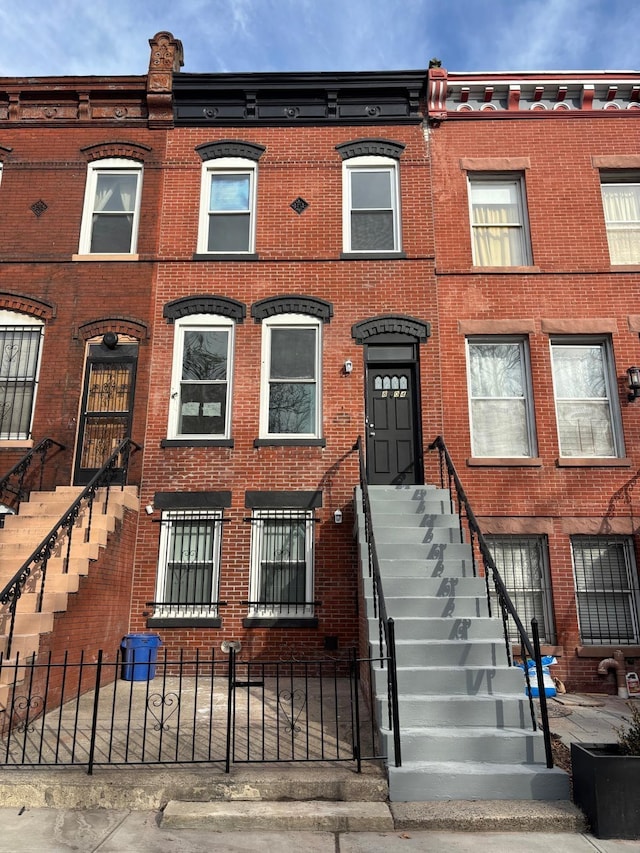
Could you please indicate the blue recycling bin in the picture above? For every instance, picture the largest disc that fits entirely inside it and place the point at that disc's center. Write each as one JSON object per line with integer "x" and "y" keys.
{"x": 139, "y": 656}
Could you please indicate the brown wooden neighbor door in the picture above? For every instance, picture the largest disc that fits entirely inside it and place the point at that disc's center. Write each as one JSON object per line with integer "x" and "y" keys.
{"x": 393, "y": 445}
{"x": 107, "y": 406}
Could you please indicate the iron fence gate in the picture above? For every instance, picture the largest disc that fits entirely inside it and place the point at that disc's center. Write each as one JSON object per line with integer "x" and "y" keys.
{"x": 187, "y": 709}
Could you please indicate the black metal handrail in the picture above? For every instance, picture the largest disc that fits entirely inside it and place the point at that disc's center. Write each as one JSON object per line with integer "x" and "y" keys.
{"x": 13, "y": 481}
{"x": 386, "y": 625}
{"x": 13, "y": 590}
{"x": 529, "y": 649}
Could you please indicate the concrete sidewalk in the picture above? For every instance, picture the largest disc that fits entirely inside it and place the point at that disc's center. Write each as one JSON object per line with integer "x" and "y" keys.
{"x": 108, "y": 831}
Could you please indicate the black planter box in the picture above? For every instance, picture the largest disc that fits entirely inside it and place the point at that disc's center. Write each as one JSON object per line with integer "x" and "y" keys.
{"x": 606, "y": 786}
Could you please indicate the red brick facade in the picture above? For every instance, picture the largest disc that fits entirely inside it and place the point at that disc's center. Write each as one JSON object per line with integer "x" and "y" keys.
{"x": 559, "y": 137}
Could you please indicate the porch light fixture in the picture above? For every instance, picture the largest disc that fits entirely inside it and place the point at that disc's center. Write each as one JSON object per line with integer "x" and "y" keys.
{"x": 633, "y": 375}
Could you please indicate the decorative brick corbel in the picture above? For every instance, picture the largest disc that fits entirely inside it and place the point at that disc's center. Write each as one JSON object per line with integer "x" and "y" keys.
{"x": 167, "y": 57}
{"x": 437, "y": 94}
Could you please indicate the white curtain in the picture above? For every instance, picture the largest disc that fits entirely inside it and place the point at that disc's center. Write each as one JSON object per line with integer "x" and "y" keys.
{"x": 498, "y": 400}
{"x": 497, "y": 224}
{"x": 622, "y": 215}
{"x": 585, "y": 426}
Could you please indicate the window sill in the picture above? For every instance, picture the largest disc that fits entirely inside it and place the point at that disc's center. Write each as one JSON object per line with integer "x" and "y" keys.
{"x": 506, "y": 462}
{"x": 601, "y": 652}
{"x": 506, "y": 269}
{"x": 196, "y": 442}
{"x": 372, "y": 256}
{"x": 17, "y": 443}
{"x": 279, "y": 622}
{"x": 290, "y": 442}
{"x": 226, "y": 256}
{"x": 592, "y": 462}
{"x": 116, "y": 256}
{"x": 184, "y": 622}
{"x": 625, "y": 267}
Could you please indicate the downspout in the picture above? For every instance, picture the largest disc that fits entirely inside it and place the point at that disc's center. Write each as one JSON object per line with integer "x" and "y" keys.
{"x": 616, "y": 663}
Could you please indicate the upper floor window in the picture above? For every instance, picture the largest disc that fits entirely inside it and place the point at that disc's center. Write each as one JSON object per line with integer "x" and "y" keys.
{"x": 499, "y": 229}
{"x": 371, "y": 214}
{"x": 290, "y": 396}
{"x": 501, "y": 410}
{"x": 20, "y": 341}
{"x": 111, "y": 207}
{"x": 621, "y": 201}
{"x": 586, "y": 411}
{"x": 227, "y": 206}
{"x": 201, "y": 381}
{"x": 606, "y": 581}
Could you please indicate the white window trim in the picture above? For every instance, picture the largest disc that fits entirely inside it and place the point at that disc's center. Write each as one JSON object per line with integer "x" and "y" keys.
{"x": 528, "y": 387}
{"x": 115, "y": 164}
{"x": 288, "y": 321}
{"x": 166, "y": 525}
{"x": 198, "y": 322}
{"x": 13, "y": 318}
{"x": 270, "y": 610}
{"x": 475, "y": 179}
{"x": 229, "y": 165}
{"x": 370, "y": 163}
{"x": 631, "y": 590}
{"x": 611, "y": 388}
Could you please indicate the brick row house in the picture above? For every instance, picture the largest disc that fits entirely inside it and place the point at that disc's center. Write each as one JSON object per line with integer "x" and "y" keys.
{"x": 245, "y": 272}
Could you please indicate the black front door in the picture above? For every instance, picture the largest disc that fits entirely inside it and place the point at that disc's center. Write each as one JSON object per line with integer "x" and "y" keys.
{"x": 393, "y": 448}
{"x": 107, "y": 407}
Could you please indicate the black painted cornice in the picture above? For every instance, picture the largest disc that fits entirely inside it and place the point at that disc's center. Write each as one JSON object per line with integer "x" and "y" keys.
{"x": 308, "y": 98}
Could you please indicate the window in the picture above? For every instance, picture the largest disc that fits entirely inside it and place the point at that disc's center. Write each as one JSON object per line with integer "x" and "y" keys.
{"x": 498, "y": 222}
{"x": 188, "y": 566}
{"x": 371, "y": 206}
{"x": 281, "y": 563}
{"x": 587, "y": 419}
{"x": 523, "y": 565}
{"x": 20, "y": 339}
{"x": 500, "y": 398}
{"x": 290, "y": 377}
{"x": 621, "y": 201}
{"x": 111, "y": 208}
{"x": 606, "y": 589}
{"x": 200, "y": 388}
{"x": 227, "y": 206}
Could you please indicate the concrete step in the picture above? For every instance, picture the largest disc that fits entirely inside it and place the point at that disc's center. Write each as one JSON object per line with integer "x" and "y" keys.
{"x": 393, "y": 563}
{"x": 417, "y": 628}
{"x": 29, "y": 536}
{"x": 444, "y": 587}
{"x": 499, "y": 710}
{"x": 33, "y": 623}
{"x": 427, "y": 607}
{"x": 454, "y": 680}
{"x": 407, "y": 521}
{"x": 440, "y": 552}
{"x": 418, "y": 535}
{"x": 52, "y": 602}
{"x": 13, "y": 551}
{"x": 474, "y": 743}
{"x": 419, "y": 781}
{"x": 23, "y": 645}
{"x": 311, "y": 816}
{"x": 450, "y": 653}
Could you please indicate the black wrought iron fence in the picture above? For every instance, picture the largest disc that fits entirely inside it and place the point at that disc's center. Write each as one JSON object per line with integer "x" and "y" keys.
{"x": 193, "y": 708}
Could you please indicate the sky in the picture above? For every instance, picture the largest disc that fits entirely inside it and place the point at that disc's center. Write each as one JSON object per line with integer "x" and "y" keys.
{"x": 110, "y": 37}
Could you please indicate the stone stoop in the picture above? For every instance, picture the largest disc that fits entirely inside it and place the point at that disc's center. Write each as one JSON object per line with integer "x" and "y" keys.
{"x": 23, "y": 533}
{"x": 465, "y": 724}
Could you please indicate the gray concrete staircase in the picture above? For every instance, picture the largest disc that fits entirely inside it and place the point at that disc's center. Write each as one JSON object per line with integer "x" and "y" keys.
{"x": 465, "y": 724}
{"x": 22, "y": 534}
